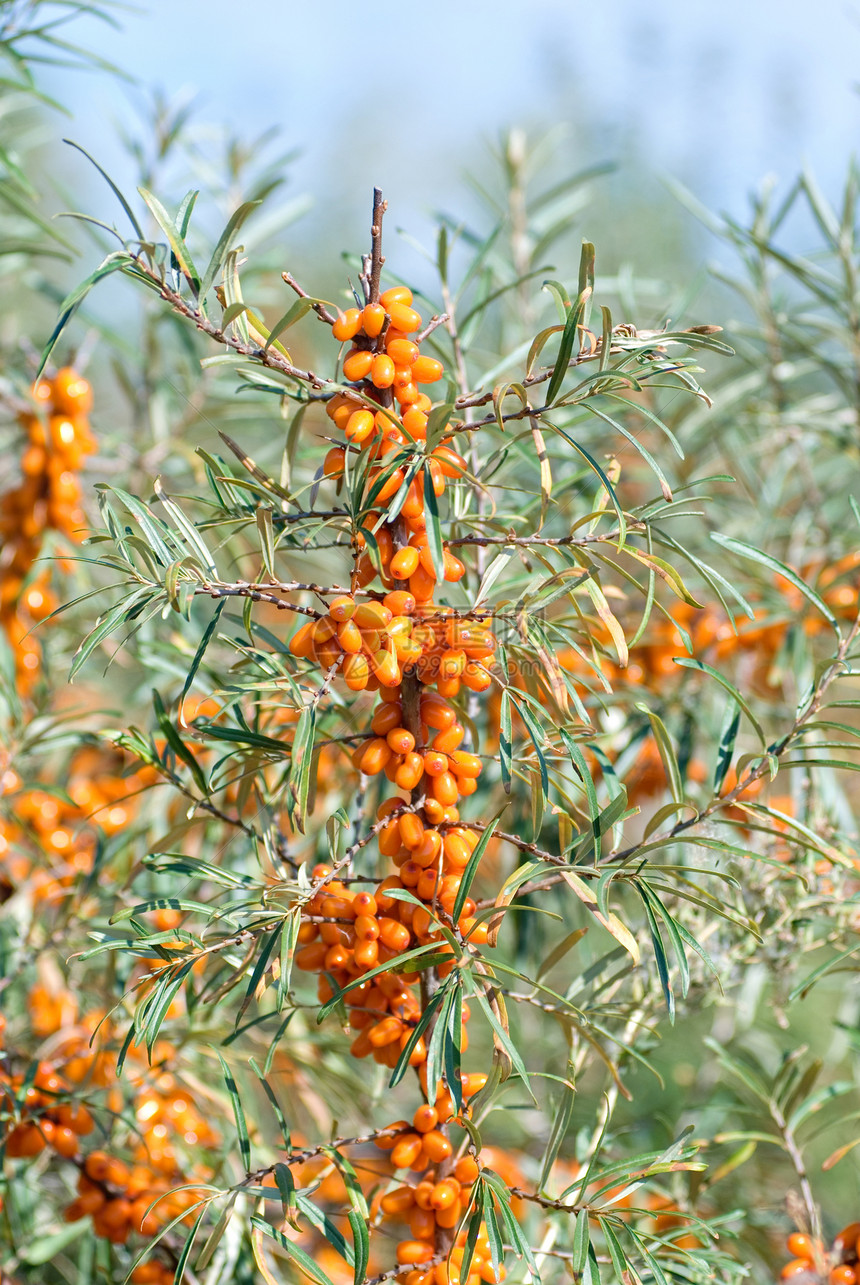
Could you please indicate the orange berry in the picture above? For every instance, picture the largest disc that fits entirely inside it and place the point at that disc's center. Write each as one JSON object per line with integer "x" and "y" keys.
{"x": 451, "y": 463}
{"x": 799, "y": 1245}
{"x": 410, "y": 772}
{"x": 436, "y": 1145}
{"x": 333, "y": 462}
{"x": 841, "y": 1275}
{"x": 356, "y": 672}
{"x": 347, "y": 325}
{"x": 386, "y": 669}
{"x": 310, "y": 958}
{"x": 411, "y": 829}
{"x": 415, "y": 423}
{"x": 398, "y": 1201}
{"x": 426, "y": 370}
{"x": 414, "y": 1251}
{"x": 425, "y": 1118}
{"x": 422, "y": 1194}
{"x": 422, "y": 1223}
{"x": 385, "y": 718}
{"x": 393, "y": 934}
{"x": 70, "y": 393}
{"x": 404, "y": 563}
{"x": 357, "y": 364}
{"x": 64, "y": 1141}
{"x": 395, "y": 294}
{"x": 366, "y": 953}
{"x": 389, "y": 487}
{"x": 426, "y": 854}
{"x": 399, "y": 602}
{"x": 97, "y": 1166}
{"x": 463, "y": 764}
{"x": 403, "y": 352}
{"x": 406, "y": 1151}
{"x": 373, "y": 319}
{"x": 359, "y": 426}
{"x": 403, "y": 317}
{"x": 372, "y": 615}
{"x": 25, "y": 1140}
{"x": 400, "y": 740}
{"x": 382, "y": 371}
{"x": 349, "y": 637}
{"x": 371, "y": 757}
{"x": 449, "y": 738}
{"x": 466, "y": 1170}
{"x": 301, "y": 643}
{"x": 444, "y": 788}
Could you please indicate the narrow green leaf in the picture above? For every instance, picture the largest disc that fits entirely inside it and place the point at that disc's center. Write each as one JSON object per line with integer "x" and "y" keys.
{"x": 667, "y": 752}
{"x": 505, "y": 740}
{"x": 238, "y": 1113}
{"x": 117, "y": 193}
{"x": 180, "y": 250}
{"x": 303, "y": 1261}
{"x": 434, "y": 529}
{"x": 757, "y": 555}
{"x": 237, "y": 218}
{"x": 205, "y": 640}
{"x": 569, "y": 335}
{"x": 726, "y": 747}
{"x": 471, "y": 870}
{"x": 689, "y": 662}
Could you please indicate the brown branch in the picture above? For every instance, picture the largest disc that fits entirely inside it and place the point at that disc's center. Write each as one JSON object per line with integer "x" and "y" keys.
{"x": 309, "y": 515}
{"x": 308, "y": 1153}
{"x": 550, "y": 541}
{"x": 248, "y": 591}
{"x": 377, "y": 258}
{"x": 435, "y": 321}
{"x": 319, "y": 308}
{"x": 622, "y": 342}
{"x": 523, "y": 846}
{"x": 269, "y": 357}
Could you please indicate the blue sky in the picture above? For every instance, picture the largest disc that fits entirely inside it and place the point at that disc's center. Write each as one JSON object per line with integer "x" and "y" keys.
{"x": 404, "y": 95}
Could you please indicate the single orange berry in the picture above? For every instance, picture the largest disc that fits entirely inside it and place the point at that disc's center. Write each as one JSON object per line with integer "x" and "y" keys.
{"x": 382, "y": 371}
{"x": 426, "y": 370}
{"x": 799, "y": 1245}
{"x": 373, "y": 319}
{"x": 436, "y": 1146}
{"x": 347, "y": 325}
{"x": 357, "y": 364}
{"x": 395, "y": 294}
{"x": 794, "y": 1268}
{"x": 425, "y": 1118}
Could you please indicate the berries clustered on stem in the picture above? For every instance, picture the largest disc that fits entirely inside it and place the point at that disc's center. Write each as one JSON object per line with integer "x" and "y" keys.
{"x": 811, "y": 1264}
{"x": 390, "y": 636}
{"x": 48, "y": 497}
{"x": 130, "y": 1198}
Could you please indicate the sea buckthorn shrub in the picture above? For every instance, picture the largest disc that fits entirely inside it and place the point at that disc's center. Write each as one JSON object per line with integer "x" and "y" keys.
{"x": 460, "y": 904}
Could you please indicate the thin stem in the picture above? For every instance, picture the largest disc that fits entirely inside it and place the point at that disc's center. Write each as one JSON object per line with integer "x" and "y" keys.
{"x": 319, "y": 308}
{"x": 377, "y": 258}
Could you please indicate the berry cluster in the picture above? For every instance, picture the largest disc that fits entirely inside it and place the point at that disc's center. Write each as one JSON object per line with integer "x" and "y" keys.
{"x": 48, "y": 497}
{"x": 811, "y": 1264}
{"x": 395, "y": 640}
{"x": 48, "y": 841}
{"x": 45, "y": 1115}
{"x": 43, "y": 1109}
{"x": 118, "y": 1198}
